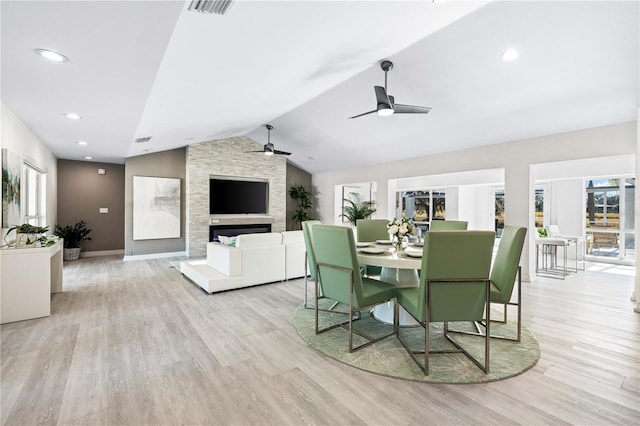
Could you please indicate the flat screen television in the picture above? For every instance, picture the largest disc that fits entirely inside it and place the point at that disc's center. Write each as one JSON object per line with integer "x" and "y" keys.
{"x": 238, "y": 196}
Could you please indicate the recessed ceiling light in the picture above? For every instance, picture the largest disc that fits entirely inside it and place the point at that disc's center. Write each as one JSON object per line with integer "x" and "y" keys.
{"x": 510, "y": 55}
{"x": 83, "y": 143}
{"x": 88, "y": 158}
{"x": 51, "y": 55}
{"x": 72, "y": 116}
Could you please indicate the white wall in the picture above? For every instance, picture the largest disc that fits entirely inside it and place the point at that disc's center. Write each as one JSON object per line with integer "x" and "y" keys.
{"x": 17, "y": 138}
{"x": 566, "y": 201}
{"x": 516, "y": 158}
{"x": 477, "y": 206}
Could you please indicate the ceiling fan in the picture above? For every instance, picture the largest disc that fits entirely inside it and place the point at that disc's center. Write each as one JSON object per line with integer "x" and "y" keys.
{"x": 268, "y": 147}
{"x": 386, "y": 103}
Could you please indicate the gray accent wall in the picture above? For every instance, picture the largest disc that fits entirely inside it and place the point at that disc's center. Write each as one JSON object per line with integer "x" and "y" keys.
{"x": 168, "y": 164}
{"x": 81, "y": 194}
{"x": 296, "y": 177}
{"x": 230, "y": 157}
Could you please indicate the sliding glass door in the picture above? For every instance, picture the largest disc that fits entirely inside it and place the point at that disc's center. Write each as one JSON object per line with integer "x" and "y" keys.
{"x": 609, "y": 218}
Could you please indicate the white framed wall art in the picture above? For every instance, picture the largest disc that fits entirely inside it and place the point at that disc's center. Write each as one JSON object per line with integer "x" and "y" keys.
{"x": 156, "y": 208}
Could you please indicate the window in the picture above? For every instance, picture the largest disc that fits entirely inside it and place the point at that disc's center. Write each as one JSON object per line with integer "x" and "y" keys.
{"x": 35, "y": 195}
{"x": 539, "y": 207}
{"x": 423, "y": 206}
{"x": 609, "y": 217}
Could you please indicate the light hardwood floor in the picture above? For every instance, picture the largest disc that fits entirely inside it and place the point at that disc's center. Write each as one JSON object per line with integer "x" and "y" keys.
{"x": 136, "y": 343}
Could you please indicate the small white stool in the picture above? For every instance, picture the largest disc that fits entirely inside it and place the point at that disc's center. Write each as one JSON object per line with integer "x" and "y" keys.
{"x": 549, "y": 264}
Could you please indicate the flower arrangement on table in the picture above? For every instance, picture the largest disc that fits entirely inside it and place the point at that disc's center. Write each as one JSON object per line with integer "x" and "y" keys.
{"x": 399, "y": 229}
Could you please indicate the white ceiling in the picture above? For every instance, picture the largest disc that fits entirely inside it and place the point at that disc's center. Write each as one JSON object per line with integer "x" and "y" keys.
{"x": 155, "y": 69}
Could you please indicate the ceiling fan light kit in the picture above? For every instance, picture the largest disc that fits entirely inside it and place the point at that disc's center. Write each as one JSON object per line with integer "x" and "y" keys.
{"x": 386, "y": 105}
{"x": 268, "y": 148}
{"x": 384, "y": 110}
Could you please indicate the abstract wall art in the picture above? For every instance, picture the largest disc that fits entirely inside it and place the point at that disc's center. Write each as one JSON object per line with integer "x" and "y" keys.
{"x": 156, "y": 208}
{"x": 11, "y": 175}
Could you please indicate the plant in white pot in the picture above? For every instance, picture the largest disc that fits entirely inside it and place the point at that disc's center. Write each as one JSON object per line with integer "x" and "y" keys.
{"x": 28, "y": 236}
{"x": 73, "y": 236}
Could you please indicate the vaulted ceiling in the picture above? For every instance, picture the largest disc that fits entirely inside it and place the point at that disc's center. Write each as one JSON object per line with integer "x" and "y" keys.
{"x": 154, "y": 68}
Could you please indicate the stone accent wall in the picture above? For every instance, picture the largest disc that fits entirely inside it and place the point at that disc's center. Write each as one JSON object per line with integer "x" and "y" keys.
{"x": 229, "y": 157}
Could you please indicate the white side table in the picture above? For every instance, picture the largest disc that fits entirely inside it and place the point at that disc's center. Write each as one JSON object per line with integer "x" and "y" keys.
{"x": 28, "y": 278}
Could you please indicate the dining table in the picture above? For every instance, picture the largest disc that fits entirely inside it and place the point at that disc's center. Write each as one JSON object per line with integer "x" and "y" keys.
{"x": 399, "y": 268}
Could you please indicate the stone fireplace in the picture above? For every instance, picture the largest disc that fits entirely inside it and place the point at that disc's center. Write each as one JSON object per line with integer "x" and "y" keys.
{"x": 229, "y": 157}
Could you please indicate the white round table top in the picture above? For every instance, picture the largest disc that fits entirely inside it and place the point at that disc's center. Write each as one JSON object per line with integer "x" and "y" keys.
{"x": 390, "y": 259}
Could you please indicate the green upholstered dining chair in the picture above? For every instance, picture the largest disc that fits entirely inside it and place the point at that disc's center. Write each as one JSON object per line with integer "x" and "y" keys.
{"x": 338, "y": 272}
{"x": 309, "y": 259}
{"x": 504, "y": 272}
{"x": 448, "y": 225}
{"x": 506, "y": 267}
{"x": 454, "y": 286}
{"x": 368, "y": 231}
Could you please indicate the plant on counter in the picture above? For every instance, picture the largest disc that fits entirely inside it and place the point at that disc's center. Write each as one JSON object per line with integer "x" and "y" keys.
{"x": 303, "y": 197}
{"x": 28, "y": 235}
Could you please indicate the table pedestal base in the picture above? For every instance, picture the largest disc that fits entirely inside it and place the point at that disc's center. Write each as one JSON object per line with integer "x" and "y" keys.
{"x": 400, "y": 278}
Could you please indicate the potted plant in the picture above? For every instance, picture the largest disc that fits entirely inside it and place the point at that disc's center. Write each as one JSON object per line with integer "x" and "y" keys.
{"x": 303, "y": 197}
{"x": 355, "y": 209}
{"x": 28, "y": 236}
{"x": 73, "y": 236}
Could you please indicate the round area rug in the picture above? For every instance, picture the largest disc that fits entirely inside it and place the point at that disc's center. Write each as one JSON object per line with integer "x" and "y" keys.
{"x": 389, "y": 358}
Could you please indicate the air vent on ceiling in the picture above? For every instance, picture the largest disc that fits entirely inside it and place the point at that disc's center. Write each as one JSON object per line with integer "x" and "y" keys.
{"x": 142, "y": 140}
{"x": 219, "y": 7}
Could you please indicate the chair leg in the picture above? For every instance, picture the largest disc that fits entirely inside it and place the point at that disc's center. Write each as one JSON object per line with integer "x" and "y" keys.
{"x": 315, "y": 308}
{"x": 306, "y": 282}
{"x": 487, "y": 336}
{"x": 518, "y": 322}
{"x": 354, "y": 315}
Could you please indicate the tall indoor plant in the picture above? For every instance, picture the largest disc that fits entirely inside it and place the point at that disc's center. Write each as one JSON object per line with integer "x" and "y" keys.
{"x": 303, "y": 197}
{"x": 354, "y": 208}
{"x": 73, "y": 236}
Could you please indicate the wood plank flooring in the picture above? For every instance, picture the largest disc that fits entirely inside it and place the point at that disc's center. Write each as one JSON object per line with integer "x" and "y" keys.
{"x": 136, "y": 343}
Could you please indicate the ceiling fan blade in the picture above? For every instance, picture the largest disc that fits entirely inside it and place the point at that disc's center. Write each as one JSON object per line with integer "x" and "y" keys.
{"x": 381, "y": 96}
{"x": 410, "y": 109}
{"x": 262, "y": 150}
{"x": 275, "y": 151}
{"x": 364, "y": 113}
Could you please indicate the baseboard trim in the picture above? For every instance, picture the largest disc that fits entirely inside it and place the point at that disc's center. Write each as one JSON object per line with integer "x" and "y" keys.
{"x": 101, "y": 253}
{"x": 154, "y": 256}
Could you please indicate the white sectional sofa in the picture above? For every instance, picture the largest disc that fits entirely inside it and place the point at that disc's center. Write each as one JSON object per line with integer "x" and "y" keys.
{"x": 255, "y": 259}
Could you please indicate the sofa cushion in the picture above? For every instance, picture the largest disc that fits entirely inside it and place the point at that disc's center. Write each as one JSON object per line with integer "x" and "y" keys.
{"x": 228, "y": 241}
{"x": 292, "y": 237}
{"x": 259, "y": 240}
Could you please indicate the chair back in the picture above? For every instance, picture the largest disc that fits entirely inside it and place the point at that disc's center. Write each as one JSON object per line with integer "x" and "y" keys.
{"x": 335, "y": 246}
{"x": 552, "y": 231}
{"x": 505, "y": 265}
{"x": 370, "y": 230}
{"x": 307, "y": 231}
{"x": 450, "y": 256}
{"x": 448, "y": 225}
